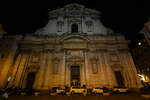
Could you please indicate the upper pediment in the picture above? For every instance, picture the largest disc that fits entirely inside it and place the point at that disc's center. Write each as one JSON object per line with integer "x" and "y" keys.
{"x": 73, "y": 9}
{"x": 74, "y": 6}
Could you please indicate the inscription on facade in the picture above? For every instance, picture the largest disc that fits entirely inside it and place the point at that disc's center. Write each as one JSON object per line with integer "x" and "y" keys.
{"x": 76, "y": 45}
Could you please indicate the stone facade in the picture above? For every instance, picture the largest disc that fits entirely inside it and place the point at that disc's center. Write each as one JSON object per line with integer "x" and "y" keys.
{"x": 73, "y": 46}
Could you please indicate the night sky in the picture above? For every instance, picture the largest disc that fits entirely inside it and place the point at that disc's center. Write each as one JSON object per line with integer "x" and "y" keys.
{"x": 125, "y": 16}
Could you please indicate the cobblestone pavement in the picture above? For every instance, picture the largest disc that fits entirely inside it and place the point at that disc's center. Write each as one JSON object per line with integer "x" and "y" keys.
{"x": 79, "y": 97}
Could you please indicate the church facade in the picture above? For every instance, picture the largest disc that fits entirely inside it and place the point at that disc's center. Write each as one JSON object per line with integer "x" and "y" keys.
{"x": 73, "y": 49}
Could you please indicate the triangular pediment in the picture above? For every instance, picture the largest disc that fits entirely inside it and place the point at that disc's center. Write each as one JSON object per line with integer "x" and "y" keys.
{"x": 74, "y": 7}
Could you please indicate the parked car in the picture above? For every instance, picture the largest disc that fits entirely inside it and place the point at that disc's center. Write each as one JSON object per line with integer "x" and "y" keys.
{"x": 105, "y": 89}
{"x": 145, "y": 90}
{"x": 75, "y": 89}
{"x": 120, "y": 90}
{"x": 97, "y": 90}
{"x": 58, "y": 90}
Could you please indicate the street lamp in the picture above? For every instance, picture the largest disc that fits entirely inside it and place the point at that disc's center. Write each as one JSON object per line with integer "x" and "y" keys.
{"x": 139, "y": 43}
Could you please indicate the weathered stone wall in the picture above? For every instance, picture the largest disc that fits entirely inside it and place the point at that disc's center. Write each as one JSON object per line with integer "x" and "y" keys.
{"x": 97, "y": 60}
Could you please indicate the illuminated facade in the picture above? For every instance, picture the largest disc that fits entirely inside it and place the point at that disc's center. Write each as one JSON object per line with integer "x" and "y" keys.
{"x": 73, "y": 49}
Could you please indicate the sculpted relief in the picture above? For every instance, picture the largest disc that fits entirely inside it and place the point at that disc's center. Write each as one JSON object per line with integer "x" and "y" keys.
{"x": 74, "y": 55}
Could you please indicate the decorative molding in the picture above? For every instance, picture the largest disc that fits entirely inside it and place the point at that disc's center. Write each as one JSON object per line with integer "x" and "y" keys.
{"x": 117, "y": 67}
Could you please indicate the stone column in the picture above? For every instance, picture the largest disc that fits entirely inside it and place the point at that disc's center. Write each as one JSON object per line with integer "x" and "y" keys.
{"x": 25, "y": 72}
{"x": 80, "y": 27}
{"x": 20, "y": 70}
{"x": 86, "y": 68}
{"x": 137, "y": 83}
{"x": 40, "y": 74}
{"x": 110, "y": 72}
{"x": 101, "y": 69}
{"x": 50, "y": 70}
{"x": 15, "y": 70}
{"x": 46, "y": 72}
{"x": 83, "y": 74}
{"x": 105, "y": 75}
{"x": 8, "y": 64}
{"x": 107, "y": 68}
{"x": 125, "y": 76}
{"x": 64, "y": 67}
{"x": 124, "y": 62}
{"x": 68, "y": 74}
{"x": 81, "y": 24}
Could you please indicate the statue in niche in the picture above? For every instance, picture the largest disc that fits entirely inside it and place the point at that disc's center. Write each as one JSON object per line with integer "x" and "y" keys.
{"x": 94, "y": 62}
{"x": 55, "y": 65}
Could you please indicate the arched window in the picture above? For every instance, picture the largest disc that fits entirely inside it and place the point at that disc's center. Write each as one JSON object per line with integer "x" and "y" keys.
{"x": 74, "y": 28}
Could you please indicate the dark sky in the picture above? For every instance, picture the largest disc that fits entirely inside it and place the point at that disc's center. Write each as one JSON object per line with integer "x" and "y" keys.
{"x": 126, "y": 16}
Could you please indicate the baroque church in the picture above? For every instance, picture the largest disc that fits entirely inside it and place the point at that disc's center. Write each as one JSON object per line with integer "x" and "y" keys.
{"x": 73, "y": 49}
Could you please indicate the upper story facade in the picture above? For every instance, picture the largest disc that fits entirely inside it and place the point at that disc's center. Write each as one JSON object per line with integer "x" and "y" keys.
{"x": 74, "y": 18}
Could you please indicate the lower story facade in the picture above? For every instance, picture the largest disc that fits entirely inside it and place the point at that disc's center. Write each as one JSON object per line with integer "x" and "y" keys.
{"x": 44, "y": 65}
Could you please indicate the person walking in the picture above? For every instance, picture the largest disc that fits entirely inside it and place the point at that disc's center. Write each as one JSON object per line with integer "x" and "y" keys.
{"x": 5, "y": 96}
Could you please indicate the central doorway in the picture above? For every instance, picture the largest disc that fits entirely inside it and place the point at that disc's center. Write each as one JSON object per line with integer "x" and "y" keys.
{"x": 30, "y": 80}
{"x": 119, "y": 79}
{"x": 75, "y": 75}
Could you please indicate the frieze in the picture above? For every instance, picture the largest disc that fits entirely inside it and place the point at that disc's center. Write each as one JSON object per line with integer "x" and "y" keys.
{"x": 75, "y": 45}
{"x": 96, "y": 50}
{"x": 48, "y": 50}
